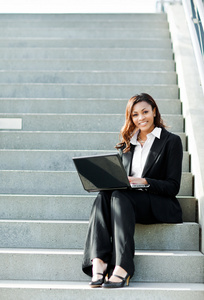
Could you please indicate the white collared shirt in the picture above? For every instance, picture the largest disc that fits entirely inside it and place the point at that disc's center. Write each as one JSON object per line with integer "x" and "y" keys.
{"x": 140, "y": 154}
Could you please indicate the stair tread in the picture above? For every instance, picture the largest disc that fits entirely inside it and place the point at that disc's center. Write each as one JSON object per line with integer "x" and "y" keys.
{"x": 70, "y": 234}
{"x": 39, "y": 284}
{"x": 87, "y": 64}
{"x": 70, "y": 195}
{"x": 86, "y": 60}
{"x": 80, "y": 252}
{"x": 29, "y": 48}
{"x": 77, "y": 114}
{"x": 70, "y": 221}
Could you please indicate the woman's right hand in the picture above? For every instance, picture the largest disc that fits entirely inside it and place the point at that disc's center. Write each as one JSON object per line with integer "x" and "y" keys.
{"x": 134, "y": 180}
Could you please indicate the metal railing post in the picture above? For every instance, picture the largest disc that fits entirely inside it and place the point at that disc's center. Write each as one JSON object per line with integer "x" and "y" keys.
{"x": 194, "y": 12}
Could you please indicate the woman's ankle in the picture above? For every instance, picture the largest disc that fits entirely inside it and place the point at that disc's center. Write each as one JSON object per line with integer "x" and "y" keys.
{"x": 98, "y": 266}
{"x": 119, "y": 271}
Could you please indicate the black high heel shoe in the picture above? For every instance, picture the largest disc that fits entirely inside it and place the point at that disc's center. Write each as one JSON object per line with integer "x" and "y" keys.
{"x": 99, "y": 282}
{"x": 110, "y": 284}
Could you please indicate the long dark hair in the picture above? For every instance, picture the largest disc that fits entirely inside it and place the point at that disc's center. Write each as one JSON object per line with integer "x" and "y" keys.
{"x": 129, "y": 127}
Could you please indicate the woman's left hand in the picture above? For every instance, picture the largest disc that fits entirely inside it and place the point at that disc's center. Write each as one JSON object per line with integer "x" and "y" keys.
{"x": 135, "y": 180}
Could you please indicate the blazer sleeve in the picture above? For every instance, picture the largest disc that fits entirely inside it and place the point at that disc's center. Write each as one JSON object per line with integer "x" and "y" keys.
{"x": 165, "y": 176}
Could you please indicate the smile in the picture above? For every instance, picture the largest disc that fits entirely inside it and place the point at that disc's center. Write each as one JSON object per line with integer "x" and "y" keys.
{"x": 143, "y": 123}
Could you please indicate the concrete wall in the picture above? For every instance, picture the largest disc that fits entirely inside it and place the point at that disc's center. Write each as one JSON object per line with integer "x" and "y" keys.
{"x": 192, "y": 98}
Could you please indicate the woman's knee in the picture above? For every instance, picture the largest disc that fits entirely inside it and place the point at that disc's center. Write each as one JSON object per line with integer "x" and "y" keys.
{"x": 102, "y": 201}
{"x": 117, "y": 194}
{"x": 122, "y": 212}
{"x": 121, "y": 199}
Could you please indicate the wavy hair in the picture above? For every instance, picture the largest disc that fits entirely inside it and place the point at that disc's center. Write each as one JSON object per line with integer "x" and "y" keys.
{"x": 129, "y": 128}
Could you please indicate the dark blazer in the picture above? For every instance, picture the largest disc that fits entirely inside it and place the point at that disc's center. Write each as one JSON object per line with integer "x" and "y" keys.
{"x": 162, "y": 171}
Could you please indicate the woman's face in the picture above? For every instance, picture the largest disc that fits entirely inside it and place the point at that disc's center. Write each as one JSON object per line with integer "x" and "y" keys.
{"x": 143, "y": 116}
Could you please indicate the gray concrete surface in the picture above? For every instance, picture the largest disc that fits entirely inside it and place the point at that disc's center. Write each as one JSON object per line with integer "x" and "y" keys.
{"x": 192, "y": 98}
{"x": 75, "y": 122}
{"x": 63, "y": 290}
{"x": 59, "y": 234}
{"x": 86, "y": 24}
{"x": 67, "y": 207}
{"x": 89, "y": 64}
{"x": 45, "y": 206}
{"x": 84, "y": 43}
{"x": 59, "y": 182}
{"x": 88, "y": 77}
{"x": 52, "y": 160}
{"x": 50, "y": 90}
{"x": 63, "y": 140}
{"x": 91, "y": 106}
{"x": 61, "y": 264}
{"x": 84, "y": 33}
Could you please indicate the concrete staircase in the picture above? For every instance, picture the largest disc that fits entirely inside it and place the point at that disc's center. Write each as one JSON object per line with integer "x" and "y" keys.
{"x": 67, "y": 79}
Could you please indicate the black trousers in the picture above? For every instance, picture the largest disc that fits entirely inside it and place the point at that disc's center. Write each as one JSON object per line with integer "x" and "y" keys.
{"x": 110, "y": 235}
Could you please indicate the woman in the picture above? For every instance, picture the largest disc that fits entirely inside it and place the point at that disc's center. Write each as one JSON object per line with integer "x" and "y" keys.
{"x": 151, "y": 155}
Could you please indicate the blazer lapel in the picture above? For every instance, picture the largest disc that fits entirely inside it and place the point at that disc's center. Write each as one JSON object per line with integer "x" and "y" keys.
{"x": 154, "y": 151}
{"x": 127, "y": 159}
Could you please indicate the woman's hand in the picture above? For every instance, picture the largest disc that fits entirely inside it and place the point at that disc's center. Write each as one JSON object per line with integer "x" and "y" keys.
{"x": 135, "y": 180}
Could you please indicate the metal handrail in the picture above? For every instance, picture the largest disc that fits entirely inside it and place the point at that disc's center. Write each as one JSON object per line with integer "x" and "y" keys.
{"x": 194, "y": 12}
{"x": 198, "y": 19}
{"x": 163, "y": 2}
{"x": 200, "y": 6}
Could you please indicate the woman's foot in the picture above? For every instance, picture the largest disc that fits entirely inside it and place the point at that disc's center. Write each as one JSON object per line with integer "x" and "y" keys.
{"x": 117, "y": 279}
{"x": 99, "y": 272}
{"x": 119, "y": 272}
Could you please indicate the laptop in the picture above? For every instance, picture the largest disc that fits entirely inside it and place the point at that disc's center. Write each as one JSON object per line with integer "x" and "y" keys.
{"x": 103, "y": 172}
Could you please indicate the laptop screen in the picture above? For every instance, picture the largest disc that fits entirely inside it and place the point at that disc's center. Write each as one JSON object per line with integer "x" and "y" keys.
{"x": 101, "y": 172}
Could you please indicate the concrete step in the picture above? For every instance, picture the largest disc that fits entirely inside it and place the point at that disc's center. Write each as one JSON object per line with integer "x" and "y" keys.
{"x": 70, "y": 140}
{"x": 120, "y": 64}
{"x": 85, "y": 53}
{"x": 71, "y": 235}
{"x": 67, "y": 207}
{"x": 52, "y": 290}
{"x": 30, "y": 198}
{"x": 60, "y": 264}
{"x": 78, "y": 17}
{"x": 84, "y": 33}
{"x": 59, "y": 183}
{"x": 42, "y": 193}
{"x": 95, "y": 77}
{"x": 28, "y": 105}
{"x": 51, "y": 159}
{"x": 89, "y": 122}
{"x": 84, "y": 43}
{"x": 84, "y": 24}
{"x": 27, "y": 90}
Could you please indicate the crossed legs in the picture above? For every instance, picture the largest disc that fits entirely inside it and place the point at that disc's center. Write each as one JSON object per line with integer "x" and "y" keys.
{"x": 110, "y": 234}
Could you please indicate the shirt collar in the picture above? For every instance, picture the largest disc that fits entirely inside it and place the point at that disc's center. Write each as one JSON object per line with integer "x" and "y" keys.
{"x": 155, "y": 132}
